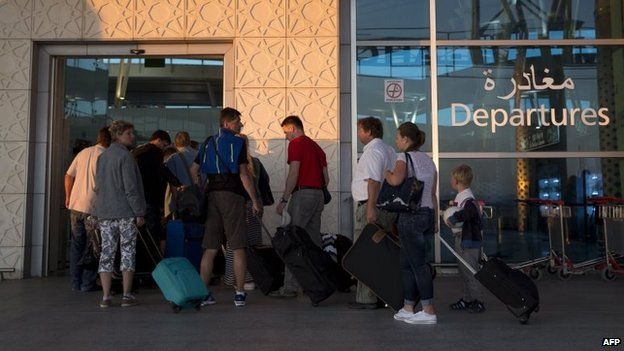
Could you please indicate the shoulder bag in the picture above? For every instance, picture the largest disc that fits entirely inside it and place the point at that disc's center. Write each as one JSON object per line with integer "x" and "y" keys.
{"x": 405, "y": 197}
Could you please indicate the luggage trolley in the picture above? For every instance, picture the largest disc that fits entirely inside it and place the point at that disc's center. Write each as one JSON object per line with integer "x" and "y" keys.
{"x": 560, "y": 263}
{"x": 549, "y": 209}
{"x": 611, "y": 210}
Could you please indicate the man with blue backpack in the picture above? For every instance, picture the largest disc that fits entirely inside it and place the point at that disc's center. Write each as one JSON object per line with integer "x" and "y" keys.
{"x": 222, "y": 158}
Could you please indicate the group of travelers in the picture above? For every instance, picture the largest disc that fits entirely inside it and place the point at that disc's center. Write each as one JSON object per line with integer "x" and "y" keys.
{"x": 120, "y": 189}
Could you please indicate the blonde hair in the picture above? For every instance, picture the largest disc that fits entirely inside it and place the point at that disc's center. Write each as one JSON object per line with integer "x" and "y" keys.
{"x": 118, "y": 127}
{"x": 462, "y": 174}
{"x": 182, "y": 139}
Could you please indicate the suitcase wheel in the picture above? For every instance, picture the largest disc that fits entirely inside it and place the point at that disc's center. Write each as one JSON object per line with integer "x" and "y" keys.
{"x": 198, "y": 307}
{"x": 176, "y": 308}
{"x": 524, "y": 319}
{"x": 535, "y": 273}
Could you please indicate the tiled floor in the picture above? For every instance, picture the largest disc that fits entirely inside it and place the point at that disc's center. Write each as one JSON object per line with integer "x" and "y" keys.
{"x": 43, "y": 314}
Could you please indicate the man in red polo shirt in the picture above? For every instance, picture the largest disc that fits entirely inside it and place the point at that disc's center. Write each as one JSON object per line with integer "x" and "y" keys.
{"x": 307, "y": 175}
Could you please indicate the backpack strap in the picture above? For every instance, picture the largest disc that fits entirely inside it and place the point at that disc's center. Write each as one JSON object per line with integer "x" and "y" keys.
{"x": 214, "y": 143}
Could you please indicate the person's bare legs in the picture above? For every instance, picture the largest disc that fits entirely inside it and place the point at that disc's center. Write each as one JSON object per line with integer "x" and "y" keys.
{"x": 106, "y": 280}
{"x": 429, "y": 309}
{"x": 207, "y": 263}
{"x": 240, "y": 266}
{"x": 127, "y": 282}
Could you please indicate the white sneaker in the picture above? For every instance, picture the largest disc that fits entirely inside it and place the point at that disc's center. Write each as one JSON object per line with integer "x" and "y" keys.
{"x": 422, "y": 317}
{"x": 403, "y": 315}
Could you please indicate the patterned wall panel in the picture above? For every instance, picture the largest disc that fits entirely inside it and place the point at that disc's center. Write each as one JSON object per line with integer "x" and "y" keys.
{"x": 313, "y": 18}
{"x": 313, "y": 62}
{"x": 13, "y": 157}
{"x": 16, "y": 18}
{"x": 332, "y": 151}
{"x": 57, "y": 19}
{"x": 318, "y": 108}
{"x": 272, "y": 154}
{"x": 109, "y": 19}
{"x": 12, "y": 209}
{"x": 260, "y": 63}
{"x": 271, "y": 220}
{"x": 211, "y": 18}
{"x": 285, "y": 59}
{"x": 15, "y": 64}
{"x": 261, "y": 18}
{"x": 156, "y": 19}
{"x": 14, "y": 115}
{"x": 12, "y": 257}
{"x": 263, "y": 111}
{"x": 330, "y": 220}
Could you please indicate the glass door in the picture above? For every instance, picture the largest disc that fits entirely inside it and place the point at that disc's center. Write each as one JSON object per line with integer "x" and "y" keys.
{"x": 169, "y": 93}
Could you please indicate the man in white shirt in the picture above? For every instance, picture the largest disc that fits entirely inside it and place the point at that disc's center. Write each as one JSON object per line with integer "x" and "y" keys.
{"x": 79, "y": 199}
{"x": 367, "y": 179}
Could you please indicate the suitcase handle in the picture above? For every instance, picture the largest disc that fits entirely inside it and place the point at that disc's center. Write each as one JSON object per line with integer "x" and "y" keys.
{"x": 458, "y": 256}
{"x": 381, "y": 233}
{"x": 159, "y": 256}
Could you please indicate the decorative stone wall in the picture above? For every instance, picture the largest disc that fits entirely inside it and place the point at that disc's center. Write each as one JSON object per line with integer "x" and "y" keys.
{"x": 286, "y": 62}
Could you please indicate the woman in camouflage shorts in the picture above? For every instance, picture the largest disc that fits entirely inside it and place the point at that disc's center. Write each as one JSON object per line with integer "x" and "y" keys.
{"x": 120, "y": 207}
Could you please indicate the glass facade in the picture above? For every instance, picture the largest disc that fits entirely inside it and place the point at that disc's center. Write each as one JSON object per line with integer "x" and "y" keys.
{"x": 175, "y": 95}
{"x": 534, "y": 120}
{"x": 390, "y": 20}
{"x": 375, "y": 65}
{"x": 528, "y": 19}
{"x": 546, "y": 98}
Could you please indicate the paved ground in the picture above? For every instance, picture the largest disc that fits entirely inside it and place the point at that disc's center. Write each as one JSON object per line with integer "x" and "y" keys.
{"x": 38, "y": 314}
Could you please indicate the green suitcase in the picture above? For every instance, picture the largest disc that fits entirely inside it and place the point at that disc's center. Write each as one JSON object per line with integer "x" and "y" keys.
{"x": 179, "y": 281}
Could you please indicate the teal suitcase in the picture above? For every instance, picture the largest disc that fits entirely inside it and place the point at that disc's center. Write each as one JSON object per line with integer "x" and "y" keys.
{"x": 179, "y": 281}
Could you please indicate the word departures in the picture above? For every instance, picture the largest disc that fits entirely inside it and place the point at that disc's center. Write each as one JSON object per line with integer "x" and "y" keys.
{"x": 461, "y": 114}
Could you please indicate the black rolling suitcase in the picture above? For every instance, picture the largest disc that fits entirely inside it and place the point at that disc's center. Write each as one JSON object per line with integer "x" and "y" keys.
{"x": 374, "y": 259}
{"x": 316, "y": 272}
{"x": 266, "y": 268}
{"x": 337, "y": 246}
{"x": 512, "y": 287}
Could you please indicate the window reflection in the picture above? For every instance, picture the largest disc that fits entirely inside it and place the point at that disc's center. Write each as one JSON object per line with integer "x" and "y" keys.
{"x": 506, "y": 99}
{"x": 392, "y": 19}
{"x": 526, "y": 19}
{"x": 518, "y": 230}
{"x": 411, "y": 64}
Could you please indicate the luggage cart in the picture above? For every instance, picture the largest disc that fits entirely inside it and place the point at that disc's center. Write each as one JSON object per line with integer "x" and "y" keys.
{"x": 550, "y": 209}
{"x": 560, "y": 263}
{"x": 611, "y": 210}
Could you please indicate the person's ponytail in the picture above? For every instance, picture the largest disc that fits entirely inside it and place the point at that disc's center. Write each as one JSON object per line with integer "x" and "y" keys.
{"x": 416, "y": 136}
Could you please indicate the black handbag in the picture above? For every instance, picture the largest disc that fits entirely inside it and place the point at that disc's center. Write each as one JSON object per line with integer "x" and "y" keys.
{"x": 264, "y": 187}
{"x": 188, "y": 199}
{"x": 405, "y": 197}
{"x": 326, "y": 196}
